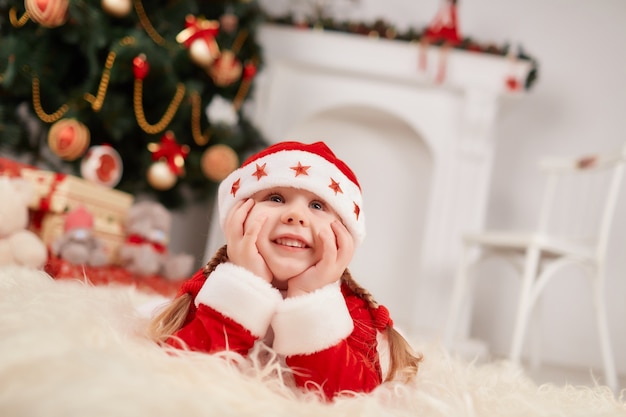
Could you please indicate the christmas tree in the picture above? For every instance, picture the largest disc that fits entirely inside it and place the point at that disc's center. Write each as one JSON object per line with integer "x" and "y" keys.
{"x": 156, "y": 87}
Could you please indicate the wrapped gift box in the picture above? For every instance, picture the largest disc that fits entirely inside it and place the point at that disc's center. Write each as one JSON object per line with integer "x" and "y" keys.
{"x": 56, "y": 194}
{"x": 11, "y": 168}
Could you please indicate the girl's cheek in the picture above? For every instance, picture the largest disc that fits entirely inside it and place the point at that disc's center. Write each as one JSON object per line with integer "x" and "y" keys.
{"x": 327, "y": 229}
{"x": 257, "y": 212}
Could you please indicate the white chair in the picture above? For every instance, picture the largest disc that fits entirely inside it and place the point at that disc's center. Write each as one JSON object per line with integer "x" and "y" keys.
{"x": 562, "y": 239}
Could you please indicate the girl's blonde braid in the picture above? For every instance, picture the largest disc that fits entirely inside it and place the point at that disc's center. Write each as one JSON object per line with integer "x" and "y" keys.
{"x": 220, "y": 257}
{"x": 403, "y": 361}
{"x": 171, "y": 318}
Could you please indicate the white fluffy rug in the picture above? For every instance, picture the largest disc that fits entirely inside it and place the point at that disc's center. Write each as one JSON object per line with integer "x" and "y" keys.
{"x": 71, "y": 349}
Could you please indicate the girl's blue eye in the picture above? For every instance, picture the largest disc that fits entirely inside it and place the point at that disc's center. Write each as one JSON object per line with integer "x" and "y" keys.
{"x": 317, "y": 205}
{"x": 277, "y": 198}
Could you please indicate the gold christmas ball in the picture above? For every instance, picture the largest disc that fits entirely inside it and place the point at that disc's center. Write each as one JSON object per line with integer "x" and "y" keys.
{"x": 160, "y": 176}
{"x": 226, "y": 69}
{"x": 117, "y": 8}
{"x": 48, "y": 13}
{"x": 203, "y": 53}
{"x": 218, "y": 161}
{"x": 68, "y": 139}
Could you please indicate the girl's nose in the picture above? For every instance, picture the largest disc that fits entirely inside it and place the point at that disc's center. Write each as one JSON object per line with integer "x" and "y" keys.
{"x": 294, "y": 216}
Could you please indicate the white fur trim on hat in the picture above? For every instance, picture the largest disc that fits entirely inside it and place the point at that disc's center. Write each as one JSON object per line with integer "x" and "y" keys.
{"x": 240, "y": 295}
{"x": 311, "y": 323}
{"x": 310, "y": 167}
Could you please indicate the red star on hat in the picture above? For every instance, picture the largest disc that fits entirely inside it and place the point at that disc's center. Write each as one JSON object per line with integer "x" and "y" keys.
{"x": 301, "y": 169}
{"x": 235, "y": 187}
{"x": 334, "y": 185}
{"x": 260, "y": 171}
{"x": 357, "y": 210}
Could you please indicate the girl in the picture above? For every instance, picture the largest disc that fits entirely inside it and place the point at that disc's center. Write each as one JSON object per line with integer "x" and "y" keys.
{"x": 292, "y": 217}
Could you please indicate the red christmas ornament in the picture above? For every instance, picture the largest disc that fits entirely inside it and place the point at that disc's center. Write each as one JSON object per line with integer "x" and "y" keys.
{"x": 249, "y": 71}
{"x": 226, "y": 70}
{"x": 171, "y": 152}
{"x": 140, "y": 67}
{"x": 48, "y": 13}
{"x": 68, "y": 139}
{"x": 512, "y": 84}
{"x": 199, "y": 37}
{"x": 102, "y": 165}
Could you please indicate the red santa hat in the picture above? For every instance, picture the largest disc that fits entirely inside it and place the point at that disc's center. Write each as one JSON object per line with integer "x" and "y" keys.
{"x": 312, "y": 167}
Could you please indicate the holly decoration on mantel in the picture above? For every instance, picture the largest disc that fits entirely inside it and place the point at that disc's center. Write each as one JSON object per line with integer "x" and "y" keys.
{"x": 134, "y": 76}
{"x": 443, "y": 31}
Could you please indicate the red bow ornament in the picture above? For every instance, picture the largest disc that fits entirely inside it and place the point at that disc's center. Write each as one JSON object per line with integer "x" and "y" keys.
{"x": 172, "y": 152}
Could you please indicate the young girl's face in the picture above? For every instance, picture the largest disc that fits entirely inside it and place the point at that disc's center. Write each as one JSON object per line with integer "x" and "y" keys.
{"x": 289, "y": 241}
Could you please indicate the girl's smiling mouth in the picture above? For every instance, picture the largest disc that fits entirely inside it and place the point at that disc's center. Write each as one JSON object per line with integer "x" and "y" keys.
{"x": 291, "y": 242}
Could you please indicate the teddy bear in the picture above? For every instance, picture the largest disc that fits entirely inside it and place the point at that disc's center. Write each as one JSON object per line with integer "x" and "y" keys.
{"x": 18, "y": 245}
{"x": 145, "y": 252}
{"x": 78, "y": 245}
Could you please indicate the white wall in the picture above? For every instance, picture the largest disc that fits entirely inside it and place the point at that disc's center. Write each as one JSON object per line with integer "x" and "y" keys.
{"x": 577, "y": 105}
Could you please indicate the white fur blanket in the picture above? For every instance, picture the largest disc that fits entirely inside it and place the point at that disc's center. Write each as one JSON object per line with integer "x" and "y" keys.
{"x": 71, "y": 349}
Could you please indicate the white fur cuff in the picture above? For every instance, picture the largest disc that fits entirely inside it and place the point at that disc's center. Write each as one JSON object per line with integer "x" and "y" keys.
{"x": 240, "y": 295}
{"x": 312, "y": 322}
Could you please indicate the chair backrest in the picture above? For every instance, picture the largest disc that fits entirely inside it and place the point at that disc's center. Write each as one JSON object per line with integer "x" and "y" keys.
{"x": 580, "y": 197}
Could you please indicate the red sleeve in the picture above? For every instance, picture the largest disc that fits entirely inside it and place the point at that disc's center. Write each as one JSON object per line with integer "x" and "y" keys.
{"x": 336, "y": 349}
{"x": 231, "y": 310}
{"x": 336, "y": 369}
{"x": 209, "y": 331}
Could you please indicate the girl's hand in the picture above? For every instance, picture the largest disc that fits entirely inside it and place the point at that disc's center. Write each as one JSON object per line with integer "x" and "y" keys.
{"x": 241, "y": 234}
{"x": 337, "y": 251}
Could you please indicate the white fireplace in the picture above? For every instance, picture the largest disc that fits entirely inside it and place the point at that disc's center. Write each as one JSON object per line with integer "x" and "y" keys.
{"x": 421, "y": 149}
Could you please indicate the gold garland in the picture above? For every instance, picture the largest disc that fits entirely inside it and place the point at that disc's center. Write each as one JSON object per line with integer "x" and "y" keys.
{"x": 39, "y": 111}
{"x": 239, "y": 40}
{"x": 244, "y": 87}
{"x": 200, "y": 138}
{"x": 97, "y": 101}
{"x": 147, "y": 25}
{"x": 196, "y": 131}
{"x": 18, "y": 23}
{"x": 162, "y": 124}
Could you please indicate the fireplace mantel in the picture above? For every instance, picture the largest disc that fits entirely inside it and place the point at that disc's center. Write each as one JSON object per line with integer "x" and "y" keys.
{"x": 309, "y": 73}
{"x": 397, "y": 61}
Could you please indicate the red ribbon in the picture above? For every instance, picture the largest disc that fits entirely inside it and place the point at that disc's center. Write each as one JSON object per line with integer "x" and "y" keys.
{"x": 135, "y": 239}
{"x": 193, "y": 285}
{"x": 171, "y": 151}
{"x": 46, "y": 201}
{"x": 196, "y": 29}
{"x": 381, "y": 317}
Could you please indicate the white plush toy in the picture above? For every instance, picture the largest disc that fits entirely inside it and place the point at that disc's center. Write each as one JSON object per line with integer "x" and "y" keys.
{"x": 18, "y": 246}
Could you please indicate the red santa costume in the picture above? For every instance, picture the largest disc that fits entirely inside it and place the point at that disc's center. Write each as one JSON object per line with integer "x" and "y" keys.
{"x": 328, "y": 336}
